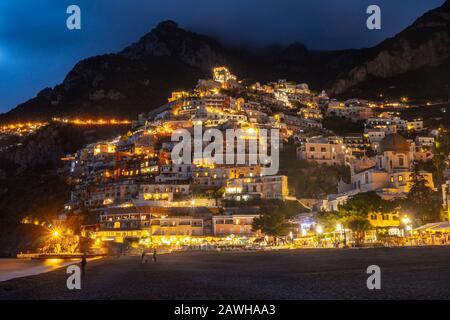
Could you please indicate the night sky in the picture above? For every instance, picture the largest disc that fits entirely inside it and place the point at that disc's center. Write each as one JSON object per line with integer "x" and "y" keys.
{"x": 37, "y": 50}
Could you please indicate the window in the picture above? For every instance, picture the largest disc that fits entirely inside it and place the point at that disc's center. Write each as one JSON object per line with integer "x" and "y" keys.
{"x": 373, "y": 217}
{"x": 392, "y": 179}
{"x": 385, "y": 217}
{"x": 400, "y": 178}
{"x": 323, "y": 149}
{"x": 401, "y": 161}
{"x": 312, "y": 149}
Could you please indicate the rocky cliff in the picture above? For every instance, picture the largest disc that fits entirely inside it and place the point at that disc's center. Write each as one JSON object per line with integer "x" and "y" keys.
{"x": 141, "y": 77}
{"x": 426, "y": 43}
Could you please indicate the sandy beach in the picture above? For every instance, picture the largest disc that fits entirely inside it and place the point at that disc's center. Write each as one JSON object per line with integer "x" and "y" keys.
{"x": 406, "y": 273}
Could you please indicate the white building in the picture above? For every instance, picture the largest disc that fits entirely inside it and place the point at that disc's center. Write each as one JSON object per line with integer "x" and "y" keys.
{"x": 331, "y": 151}
{"x": 391, "y": 172}
{"x": 263, "y": 187}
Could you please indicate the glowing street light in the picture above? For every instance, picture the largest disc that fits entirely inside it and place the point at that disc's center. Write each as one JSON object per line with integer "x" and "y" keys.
{"x": 55, "y": 233}
{"x": 406, "y": 220}
{"x": 319, "y": 229}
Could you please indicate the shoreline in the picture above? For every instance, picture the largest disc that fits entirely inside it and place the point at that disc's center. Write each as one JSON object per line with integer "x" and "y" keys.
{"x": 41, "y": 266}
{"x": 55, "y": 265}
{"x": 277, "y": 274}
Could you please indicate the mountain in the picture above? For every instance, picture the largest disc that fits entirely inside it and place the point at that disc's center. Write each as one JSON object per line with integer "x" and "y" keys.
{"x": 416, "y": 60}
{"x": 137, "y": 79}
{"x": 140, "y": 77}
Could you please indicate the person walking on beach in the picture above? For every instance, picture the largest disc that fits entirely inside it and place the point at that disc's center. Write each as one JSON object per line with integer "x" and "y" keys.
{"x": 154, "y": 255}
{"x": 143, "y": 257}
{"x": 83, "y": 265}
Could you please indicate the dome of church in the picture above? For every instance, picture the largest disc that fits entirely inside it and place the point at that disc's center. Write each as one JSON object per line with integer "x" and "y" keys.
{"x": 394, "y": 142}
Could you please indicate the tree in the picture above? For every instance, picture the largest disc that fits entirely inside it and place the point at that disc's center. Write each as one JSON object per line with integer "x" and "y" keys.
{"x": 272, "y": 224}
{"x": 354, "y": 214}
{"x": 422, "y": 200}
{"x": 275, "y": 215}
{"x": 441, "y": 150}
{"x": 359, "y": 226}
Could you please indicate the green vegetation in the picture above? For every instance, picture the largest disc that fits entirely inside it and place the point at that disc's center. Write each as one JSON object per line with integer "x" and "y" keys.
{"x": 275, "y": 215}
{"x": 32, "y": 194}
{"x": 441, "y": 151}
{"x": 354, "y": 214}
{"x": 309, "y": 179}
{"x": 341, "y": 126}
{"x": 422, "y": 202}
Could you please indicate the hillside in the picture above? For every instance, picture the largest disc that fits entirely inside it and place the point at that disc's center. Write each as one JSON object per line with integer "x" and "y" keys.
{"x": 414, "y": 62}
{"x": 141, "y": 77}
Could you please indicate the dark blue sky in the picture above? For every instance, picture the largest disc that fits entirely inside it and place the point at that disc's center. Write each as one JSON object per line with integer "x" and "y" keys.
{"x": 37, "y": 50}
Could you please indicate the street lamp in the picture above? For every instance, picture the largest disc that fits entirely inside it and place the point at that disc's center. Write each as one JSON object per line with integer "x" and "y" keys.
{"x": 304, "y": 232}
{"x": 339, "y": 229}
{"x": 406, "y": 220}
{"x": 319, "y": 229}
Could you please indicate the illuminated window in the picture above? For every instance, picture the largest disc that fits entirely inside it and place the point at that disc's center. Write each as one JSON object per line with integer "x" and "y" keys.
{"x": 116, "y": 225}
{"x": 392, "y": 179}
{"x": 400, "y": 178}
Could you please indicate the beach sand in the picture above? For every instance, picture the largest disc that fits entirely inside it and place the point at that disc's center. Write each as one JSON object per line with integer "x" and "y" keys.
{"x": 406, "y": 273}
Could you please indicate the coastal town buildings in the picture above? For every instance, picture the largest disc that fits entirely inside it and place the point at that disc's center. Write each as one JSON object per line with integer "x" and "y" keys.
{"x": 391, "y": 171}
{"x": 142, "y": 197}
{"x": 331, "y": 151}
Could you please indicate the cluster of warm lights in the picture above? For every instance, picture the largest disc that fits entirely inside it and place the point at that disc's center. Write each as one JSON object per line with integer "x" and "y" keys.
{"x": 21, "y": 128}
{"x": 36, "y": 222}
{"x": 93, "y": 122}
{"x": 27, "y": 126}
{"x": 14, "y": 126}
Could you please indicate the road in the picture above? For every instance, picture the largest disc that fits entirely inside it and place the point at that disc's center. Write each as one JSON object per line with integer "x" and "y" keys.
{"x": 406, "y": 273}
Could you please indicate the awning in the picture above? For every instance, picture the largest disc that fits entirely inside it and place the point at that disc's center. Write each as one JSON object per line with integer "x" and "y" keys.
{"x": 435, "y": 226}
{"x": 443, "y": 226}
